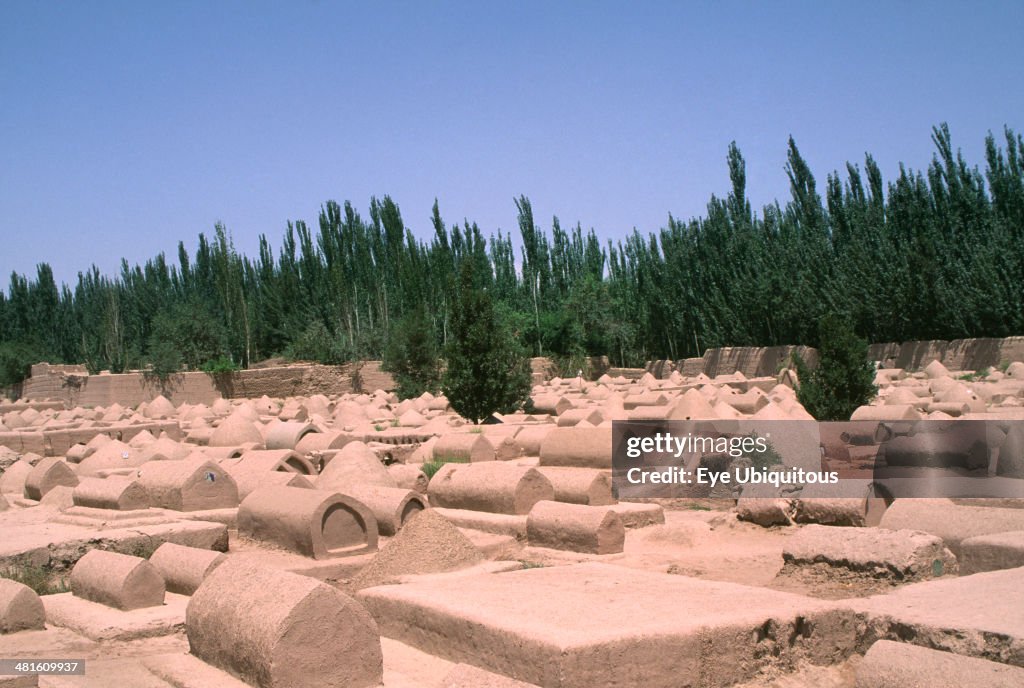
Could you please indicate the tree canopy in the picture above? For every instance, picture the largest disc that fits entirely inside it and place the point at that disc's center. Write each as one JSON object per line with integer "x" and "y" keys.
{"x": 930, "y": 254}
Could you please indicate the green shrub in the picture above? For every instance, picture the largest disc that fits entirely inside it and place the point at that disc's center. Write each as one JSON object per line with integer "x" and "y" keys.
{"x": 16, "y": 361}
{"x": 222, "y": 365}
{"x": 764, "y": 460}
{"x": 412, "y": 356}
{"x": 317, "y": 344}
{"x": 844, "y": 378}
{"x": 569, "y": 365}
{"x": 164, "y": 360}
{"x": 487, "y": 370}
{"x": 187, "y": 334}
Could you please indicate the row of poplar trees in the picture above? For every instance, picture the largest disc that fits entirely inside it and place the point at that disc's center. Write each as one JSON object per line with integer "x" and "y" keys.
{"x": 931, "y": 254}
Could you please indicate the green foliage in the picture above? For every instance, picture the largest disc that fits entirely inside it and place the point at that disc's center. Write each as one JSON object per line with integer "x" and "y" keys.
{"x": 932, "y": 253}
{"x": 164, "y": 359}
{"x": 487, "y": 371}
{"x": 766, "y": 459}
{"x": 39, "y": 578}
{"x": 976, "y": 375}
{"x": 15, "y": 363}
{"x": 844, "y": 377}
{"x": 429, "y": 468}
{"x": 221, "y": 365}
{"x": 186, "y": 335}
{"x": 412, "y": 357}
{"x": 316, "y": 343}
{"x": 570, "y": 365}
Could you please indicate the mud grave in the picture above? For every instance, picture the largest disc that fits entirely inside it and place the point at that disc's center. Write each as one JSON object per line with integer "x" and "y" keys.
{"x": 362, "y": 540}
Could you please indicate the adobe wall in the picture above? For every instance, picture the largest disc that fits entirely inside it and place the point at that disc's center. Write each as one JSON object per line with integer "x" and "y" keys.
{"x": 543, "y": 368}
{"x": 959, "y": 354}
{"x": 47, "y": 381}
{"x": 752, "y": 361}
{"x": 628, "y": 373}
{"x": 75, "y": 387}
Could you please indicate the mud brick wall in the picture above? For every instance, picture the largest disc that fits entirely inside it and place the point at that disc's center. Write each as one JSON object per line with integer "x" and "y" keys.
{"x": 752, "y": 361}
{"x": 762, "y": 361}
{"x": 374, "y": 378}
{"x": 542, "y": 369}
{"x": 47, "y": 381}
{"x": 628, "y": 373}
{"x": 75, "y": 387}
{"x": 959, "y": 354}
{"x": 306, "y": 380}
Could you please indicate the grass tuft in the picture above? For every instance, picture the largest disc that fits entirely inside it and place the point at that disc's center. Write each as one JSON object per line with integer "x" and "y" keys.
{"x": 976, "y": 375}
{"x": 531, "y": 564}
{"x": 432, "y": 467}
{"x": 40, "y": 579}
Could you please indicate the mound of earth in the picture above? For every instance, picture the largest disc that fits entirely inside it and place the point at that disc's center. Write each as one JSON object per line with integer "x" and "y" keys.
{"x": 427, "y": 543}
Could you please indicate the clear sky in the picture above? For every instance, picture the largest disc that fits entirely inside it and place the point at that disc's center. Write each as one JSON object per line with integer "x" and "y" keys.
{"x": 128, "y": 126}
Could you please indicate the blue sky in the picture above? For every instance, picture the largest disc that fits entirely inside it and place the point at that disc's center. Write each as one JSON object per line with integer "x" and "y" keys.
{"x": 126, "y": 126}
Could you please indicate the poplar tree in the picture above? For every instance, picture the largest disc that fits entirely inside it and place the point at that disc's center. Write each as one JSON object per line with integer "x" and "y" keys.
{"x": 932, "y": 253}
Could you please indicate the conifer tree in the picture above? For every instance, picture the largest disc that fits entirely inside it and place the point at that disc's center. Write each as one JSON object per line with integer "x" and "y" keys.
{"x": 411, "y": 355}
{"x": 487, "y": 371}
{"x": 844, "y": 377}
